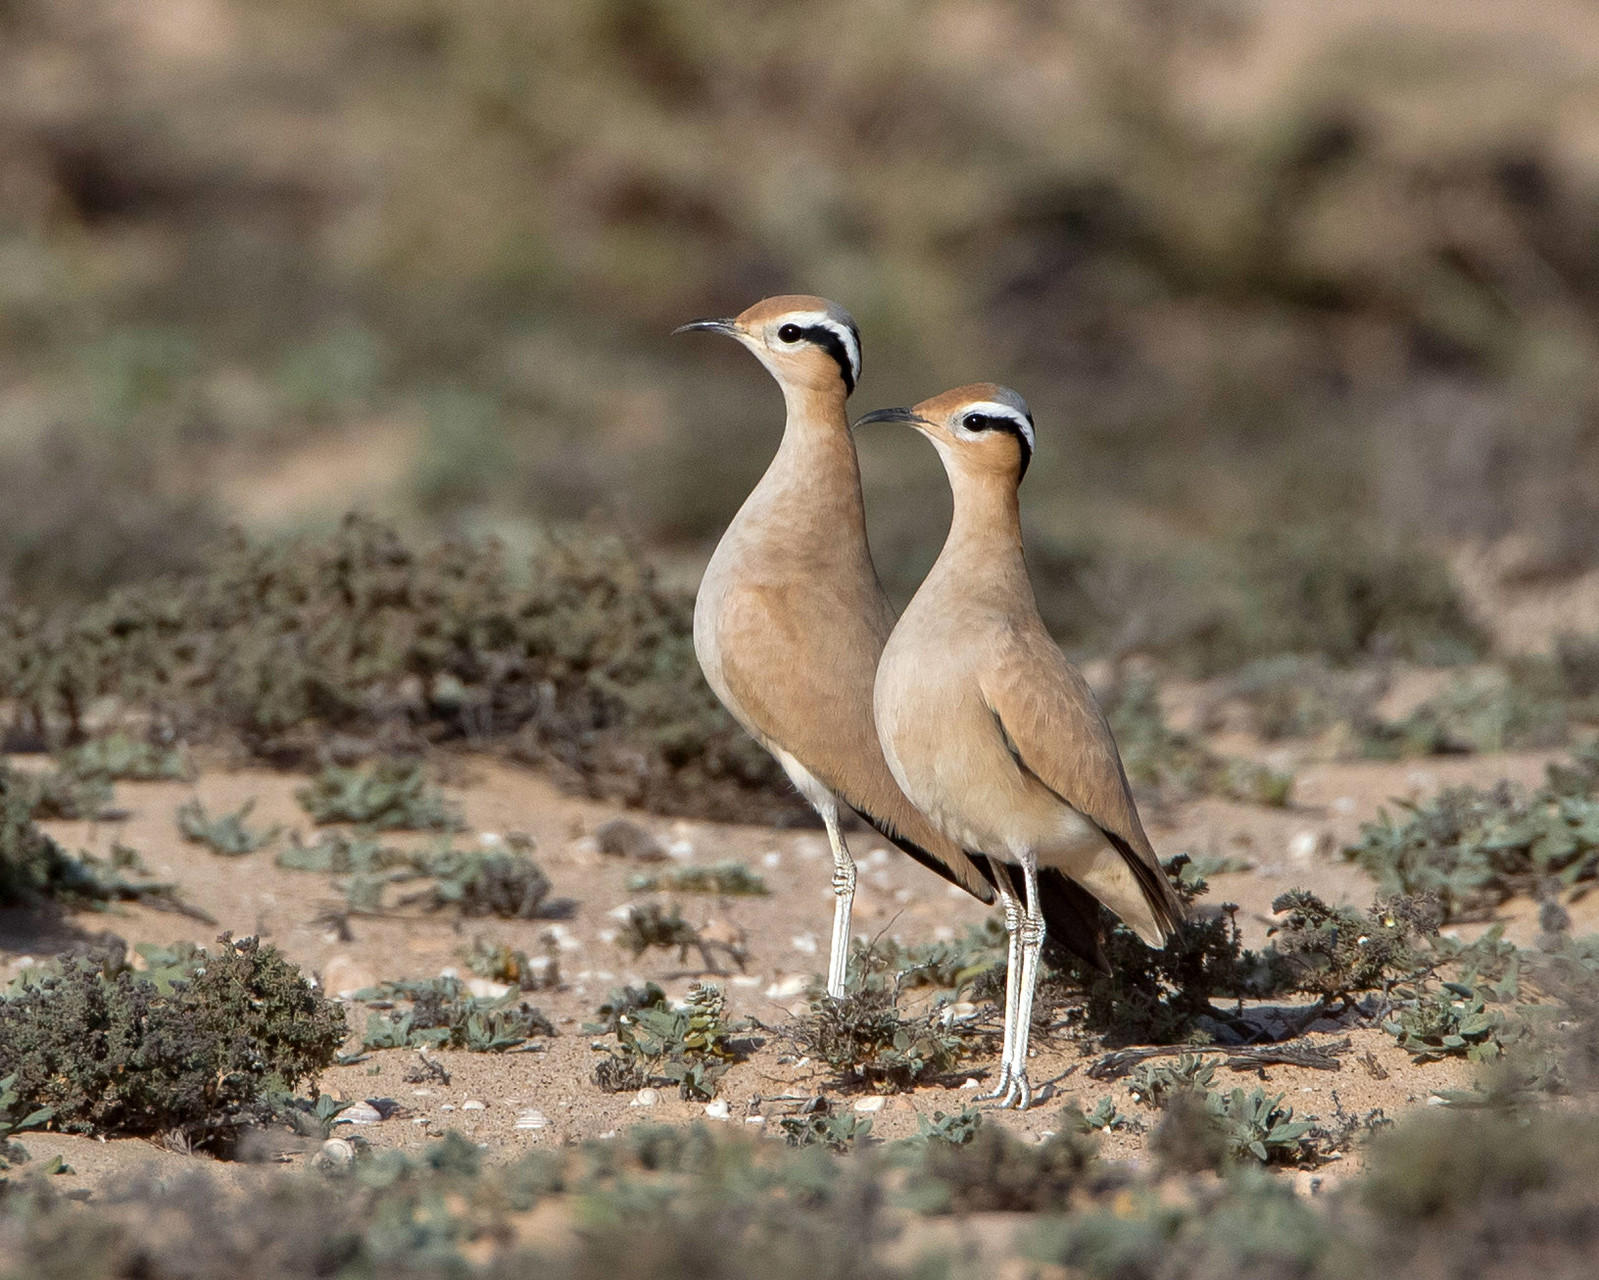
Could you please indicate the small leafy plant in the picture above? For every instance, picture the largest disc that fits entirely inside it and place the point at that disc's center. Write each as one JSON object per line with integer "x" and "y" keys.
{"x": 1154, "y": 1083}
{"x": 653, "y": 925}
{"x": 121, "y": 757}
{"x": 443, "y": 1014}
{"x": 722, "y": 877}
{"x": 868, "y": 1041}
{"x": 389, "y": 795}
{"x": 227, "y": 834}
{"x": 13, "y": 1121}
{"x": 836, "y": 1131}
{"x": 691, "y": 1047}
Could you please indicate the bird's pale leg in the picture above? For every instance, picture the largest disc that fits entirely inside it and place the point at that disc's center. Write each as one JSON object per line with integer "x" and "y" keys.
{"x": 1019, "y": 1093}
{"x": 1013, "y": 921}
{"x": 843, "y": 904}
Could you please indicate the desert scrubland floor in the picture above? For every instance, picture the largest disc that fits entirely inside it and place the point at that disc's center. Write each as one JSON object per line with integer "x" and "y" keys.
{"x": 543, "y": 1095}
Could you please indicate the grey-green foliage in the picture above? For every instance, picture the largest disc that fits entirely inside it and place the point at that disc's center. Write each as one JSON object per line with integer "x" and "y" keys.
{"x": 480, "y": 881}
{"x": 15, "y": 1118}
{"x": 869, "y": 1041}
{"x": 442, "y": 1013}
{"x": 1334, "y": 591}
{"x": 388, "y": 795}
{"x": 664, "y": 927}
{"x": 34, "y": 868}
{"x": 59, "y": 793}
{"x": 577, "y": 659}
{"x": 119, "y": 756}
{"x": 212, "y": 1049}
{"x": 1476, "y": 848}
{"x": 720, "y": 877}
{"x": 1159, "y": 757}
{"x": 952, "y": 966}
{"x": 1448, "y": 1020}
{"x": 1204, "y": 1128}
{"x": 338, "y": 853}
{"x": 228, "y": 834}
{"x": 1154, "y": 1082}
{"x": 1478, "y": 711}
{"x": 690, "y": 1047}
{"x": 837, "y": 1131}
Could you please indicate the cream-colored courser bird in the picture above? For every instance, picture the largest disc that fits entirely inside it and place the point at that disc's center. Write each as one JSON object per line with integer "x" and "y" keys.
{"x": 790, "y": 619}
{"x": 987, "y": 727}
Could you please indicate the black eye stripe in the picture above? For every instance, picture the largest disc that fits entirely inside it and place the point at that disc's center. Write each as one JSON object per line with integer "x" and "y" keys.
{"x": 830, "y": 342}
{"x": 1007, "y": 424}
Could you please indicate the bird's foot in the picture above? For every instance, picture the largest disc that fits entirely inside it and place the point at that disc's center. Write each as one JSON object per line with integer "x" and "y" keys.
{"x": 1016, "y": 1094}
{"x": 1001, "y": 1090}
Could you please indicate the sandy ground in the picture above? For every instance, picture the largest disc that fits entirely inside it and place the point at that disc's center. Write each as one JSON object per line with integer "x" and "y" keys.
{"x": 784, "y": 934}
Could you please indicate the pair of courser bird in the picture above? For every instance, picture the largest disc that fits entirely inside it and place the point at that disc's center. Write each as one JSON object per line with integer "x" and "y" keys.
{"x": 961, "y": 733}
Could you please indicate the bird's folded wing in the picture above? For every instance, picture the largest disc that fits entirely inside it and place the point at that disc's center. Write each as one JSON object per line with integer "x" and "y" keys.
{"x": 793, "y": 686}
{"x": 1054, "y": 730}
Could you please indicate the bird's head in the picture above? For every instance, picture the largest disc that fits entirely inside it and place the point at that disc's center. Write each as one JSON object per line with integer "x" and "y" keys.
{"x": 981, "y": 427}
{"x": 805, "y": 342}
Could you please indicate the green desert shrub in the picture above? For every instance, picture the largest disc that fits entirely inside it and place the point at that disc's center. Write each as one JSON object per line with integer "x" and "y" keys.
{"x": 117, "y": 1054}
{"x": 1475, "y": 848}
{"x": 578, "y": 660}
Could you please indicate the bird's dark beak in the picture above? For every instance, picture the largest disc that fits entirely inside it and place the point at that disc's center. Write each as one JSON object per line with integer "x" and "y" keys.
{"x": 709, "y": 326}
{"x": 909, "y": 416}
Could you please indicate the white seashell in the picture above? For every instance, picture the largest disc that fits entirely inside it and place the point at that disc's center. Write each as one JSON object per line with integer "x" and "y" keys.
{"x": 968, "y": 1084}
{"x": 870, "y": 1104}
{"x": 531, "y": 1119}
{"x": 334, "y": 1156}
{"x": 805, "y": 943}
{"x": 488, "y": 989}
{"x": 788, "y": 985}
{"x": 472, "y": 1104}
{"x": 645, "y": 1098}
{"x": 772, "y": 859}
{"x": 359, "y": 1113}
{"x": 717, "y": 1110}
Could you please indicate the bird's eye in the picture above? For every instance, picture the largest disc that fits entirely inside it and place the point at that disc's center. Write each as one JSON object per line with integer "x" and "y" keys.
{"x": 789, "y": 333}
{"x": 976, "y": 421}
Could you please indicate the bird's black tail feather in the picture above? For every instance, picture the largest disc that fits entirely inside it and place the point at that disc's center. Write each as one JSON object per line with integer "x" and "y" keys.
{"x": 1072, "y": 916}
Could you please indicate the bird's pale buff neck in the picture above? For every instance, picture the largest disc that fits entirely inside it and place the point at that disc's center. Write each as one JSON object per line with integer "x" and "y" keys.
{"x": 984, "y": 546}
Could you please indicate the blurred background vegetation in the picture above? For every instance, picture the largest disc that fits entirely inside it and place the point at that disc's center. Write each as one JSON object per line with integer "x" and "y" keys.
{"x": 1298, "y": 292}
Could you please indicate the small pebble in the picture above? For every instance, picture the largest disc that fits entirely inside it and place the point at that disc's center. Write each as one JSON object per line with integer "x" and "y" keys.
{"x": 805, "y": 943}
{"x": 788, "y": 985}
{"x": 772, "y": 859}
{"x": 472, "y": 1104}
{"x": 717, "y": 1110}
{"x": 969, "y": 1084}
{"x": 448, "y": 1106}
{"x": 487, "y": 988}
{"x": 623, "y": 839}
{"x": 531, "y": 1119}
{"x": 422, "y": 1093}
{"x": 645, "y": 1098}
{"x": 680, "y": 849}
{"x": 359, "y": 1113}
